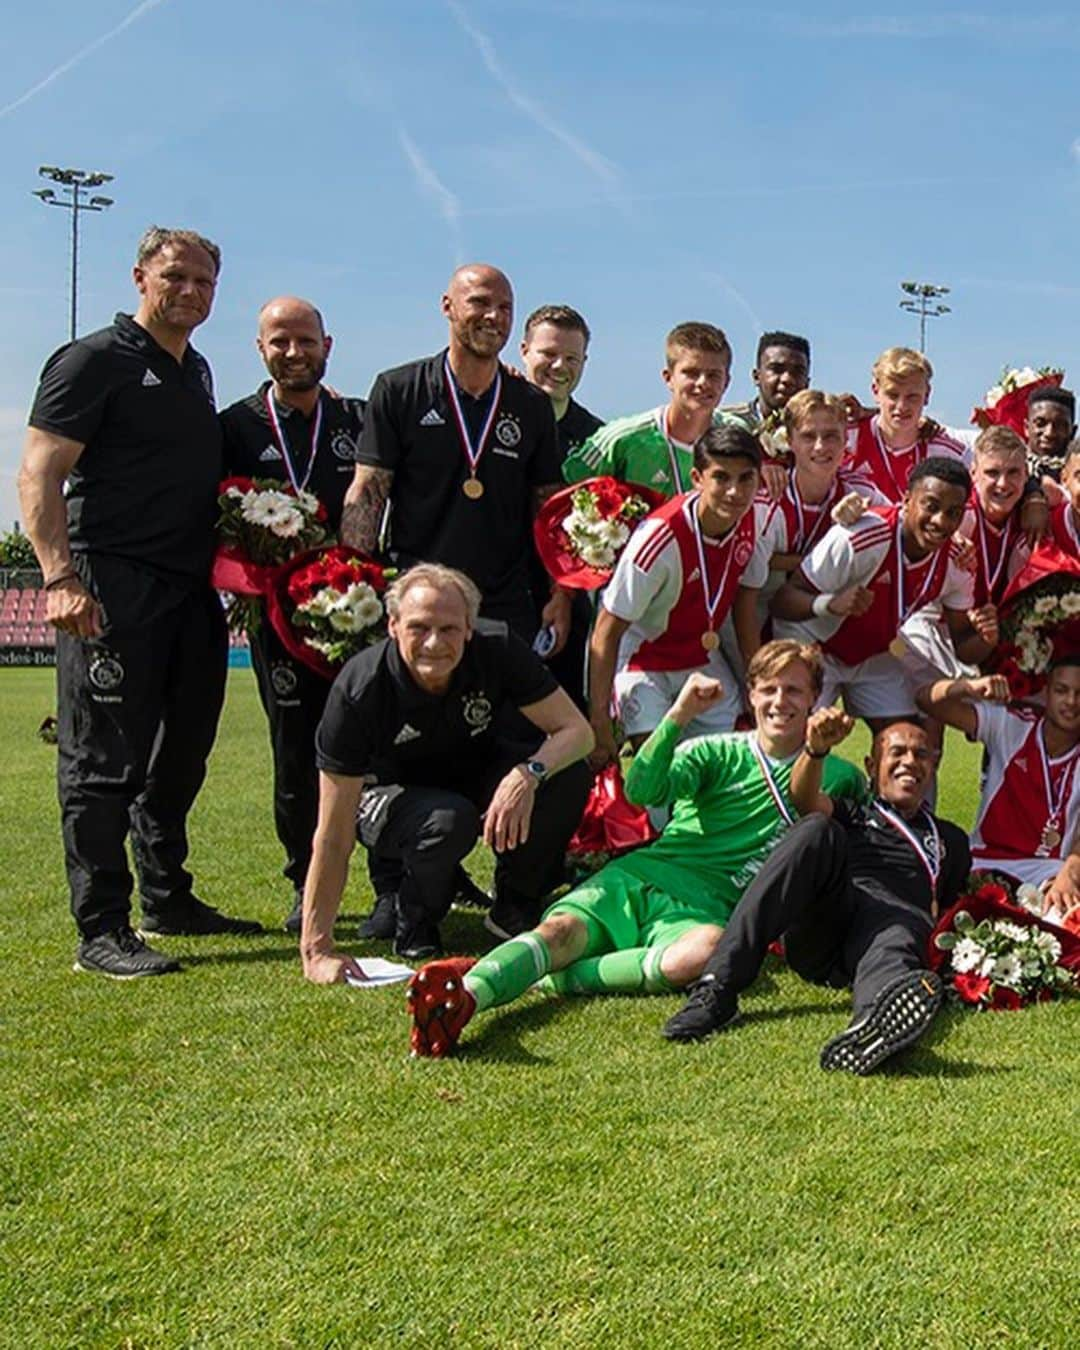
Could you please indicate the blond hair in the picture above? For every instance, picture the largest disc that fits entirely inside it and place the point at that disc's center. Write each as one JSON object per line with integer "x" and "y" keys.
{"x": 768, "y": 661}
{"x": 900, "y": 363}
{"x": 696, "y": 337}
{"x": 800, "y": 406}
{"x": 999, "y": 441}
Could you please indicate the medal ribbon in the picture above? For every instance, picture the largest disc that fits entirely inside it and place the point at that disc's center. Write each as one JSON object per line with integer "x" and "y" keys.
{"x": 1055, "y": 801}
{"x": 770, "y": 780}
{"x": 472, "y": 452}
{"x": 712, "y": 601}
{"x": 886, "y": 459}
{"x": 904, "y": 612}
{"x": 930, "y": 858}
{"x": 283, "y": 441}
{"x": 801, "y": 543}
{"x": 991, "y": 577}
{"x": 673, "y": 456}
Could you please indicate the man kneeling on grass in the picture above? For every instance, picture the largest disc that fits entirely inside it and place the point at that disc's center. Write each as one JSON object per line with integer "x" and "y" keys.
{"x": 648, "y": 921}
{"x": 413, "y": 754}
{"x": 853, "y": 891}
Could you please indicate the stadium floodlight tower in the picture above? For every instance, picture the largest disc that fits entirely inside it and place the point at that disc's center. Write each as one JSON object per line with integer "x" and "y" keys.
{"x": 74, "y": 185}
{"x": 924, "y": 299}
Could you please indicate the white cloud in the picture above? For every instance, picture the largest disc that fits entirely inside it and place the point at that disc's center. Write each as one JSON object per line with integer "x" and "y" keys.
{"x": 81, "y": 55}
{"x": 598, "y": 165}
{"x": 432, "y": 186}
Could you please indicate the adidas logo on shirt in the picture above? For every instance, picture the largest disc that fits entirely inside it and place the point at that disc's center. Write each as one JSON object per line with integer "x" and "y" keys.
{"x": 407, "y": 733}
{"x": 149, "y": 379}
{"x": 432, "y": 419}
{"x": 271, "y": 452}
{"x": 660, "y": 476}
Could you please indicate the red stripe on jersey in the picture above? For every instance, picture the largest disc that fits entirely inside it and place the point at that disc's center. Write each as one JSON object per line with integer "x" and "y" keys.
{"x": 653, "y": 548}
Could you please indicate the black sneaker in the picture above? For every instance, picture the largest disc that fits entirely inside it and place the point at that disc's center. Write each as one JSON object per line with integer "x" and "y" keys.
{"x": 508, "y": 918}
{"x": 194, "y": 919}
{"x": 467, "y": 892}
{"x": 381, "y": 923}
{"x": 708, "y": 1008}
{"x": 901, "y": 1013}
{"x": 418, "y": 941}
{"x": 295, "y": 919}
{"x": 122, "y": 955}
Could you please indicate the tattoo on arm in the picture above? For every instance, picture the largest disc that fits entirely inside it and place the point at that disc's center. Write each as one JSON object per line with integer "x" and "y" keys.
{"x": 365, "y": 502}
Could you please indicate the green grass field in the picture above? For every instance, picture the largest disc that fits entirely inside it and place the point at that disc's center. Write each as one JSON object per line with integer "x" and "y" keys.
{"x": 231, "y": 1157}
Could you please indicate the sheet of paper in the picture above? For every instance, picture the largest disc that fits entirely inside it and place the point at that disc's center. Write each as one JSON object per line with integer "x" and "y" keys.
{"x": 376, "y": 972}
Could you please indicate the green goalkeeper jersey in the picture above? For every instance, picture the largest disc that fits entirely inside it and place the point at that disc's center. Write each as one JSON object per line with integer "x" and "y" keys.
{"x": 638, "y": 450}
{"x": 726, "y": 815}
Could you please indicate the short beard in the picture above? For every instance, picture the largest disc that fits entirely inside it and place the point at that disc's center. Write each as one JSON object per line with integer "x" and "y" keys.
{"x": 299, "y": 382}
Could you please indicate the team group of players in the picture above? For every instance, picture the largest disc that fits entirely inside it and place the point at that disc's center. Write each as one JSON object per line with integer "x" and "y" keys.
{"x": 808, "y": 549}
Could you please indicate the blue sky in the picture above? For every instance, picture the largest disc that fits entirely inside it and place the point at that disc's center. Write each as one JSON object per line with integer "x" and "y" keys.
{"x": 648, "y": 163}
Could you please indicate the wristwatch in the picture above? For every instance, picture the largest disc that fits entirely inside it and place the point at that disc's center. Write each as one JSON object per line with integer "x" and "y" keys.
{"x": 537, "y": 770}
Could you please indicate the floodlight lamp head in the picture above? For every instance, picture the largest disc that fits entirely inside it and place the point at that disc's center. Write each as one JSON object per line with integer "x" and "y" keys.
{"x": 46, "y": 194}
{"x": 101, "y": 201}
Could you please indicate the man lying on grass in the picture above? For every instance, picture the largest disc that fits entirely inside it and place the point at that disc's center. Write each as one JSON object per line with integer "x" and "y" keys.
{"x": 648, "y": 921}
{"x": 853, "y": 891}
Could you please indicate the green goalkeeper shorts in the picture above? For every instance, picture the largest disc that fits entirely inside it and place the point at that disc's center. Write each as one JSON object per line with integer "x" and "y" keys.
{"x": 621, "y": 911}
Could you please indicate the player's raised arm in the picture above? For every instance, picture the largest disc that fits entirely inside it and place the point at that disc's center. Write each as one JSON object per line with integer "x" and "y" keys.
{"x": 825, "y": 729}
{"x": 953, "y": 701}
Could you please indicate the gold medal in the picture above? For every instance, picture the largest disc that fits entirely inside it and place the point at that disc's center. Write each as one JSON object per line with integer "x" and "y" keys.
{"x": 710, "y": 640}
{"x": 898, "y": 648}
{"x": 473, "y": 489}
{"x": 1050, "y": 837}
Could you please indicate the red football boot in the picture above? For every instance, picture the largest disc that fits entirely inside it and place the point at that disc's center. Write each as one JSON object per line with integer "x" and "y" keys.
{"x": 440, "y": 1006}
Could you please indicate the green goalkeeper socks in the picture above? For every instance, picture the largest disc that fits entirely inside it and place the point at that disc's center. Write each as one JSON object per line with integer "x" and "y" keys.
{"x": 634, "y": 971}
{"x": 508, "y": 970}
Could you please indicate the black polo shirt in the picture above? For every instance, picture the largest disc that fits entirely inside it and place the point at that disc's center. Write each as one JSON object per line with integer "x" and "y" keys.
{"x": 144, "y": 490}
{"x": 575, "y": 427}
{"x": 409, "y": 428}
{"x": 380, "y": 724}
{"x": 251, "y": 446}
{"x": 882, "y": 863}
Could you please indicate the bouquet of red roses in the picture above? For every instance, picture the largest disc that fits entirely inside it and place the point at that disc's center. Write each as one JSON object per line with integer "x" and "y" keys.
{"x": 1007, "y": 401}
{"x": 262, "y": 524}
{"x": 581, "y": 530}
{"x": 328, "y": 605}
{"x": 993, "y": 953}
{"x": 1039, "y": 620}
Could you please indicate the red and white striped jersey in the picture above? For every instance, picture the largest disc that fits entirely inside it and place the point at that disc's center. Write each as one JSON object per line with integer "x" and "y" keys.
{"x": 869, "y": 554}
{"x": 659, "y": 590}
{"x": 1021, "y": 787}
{"x": 888, "y": 469}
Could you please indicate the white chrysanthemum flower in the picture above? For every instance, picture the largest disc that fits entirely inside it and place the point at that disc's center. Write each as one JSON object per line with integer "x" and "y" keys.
{"x": 320, "y": 604}
{"x": 288, "y": 524}
{"x": 1011, "y": 930}
{"x": 344, "y": 620}
{"x": 369, "y": 612}
{"x": 1007, "y": 970}
{"x": 263, "y": 508}
{"x": 994, "y": 395}
{"x": 967, "y": 955}
{"x": 1070, "y": 604}
{"x": 1048, "y": 944}
{"x": 307, "y": 502}
{"x": 1026, "y": 375}
{"x": 1029, "y": 897}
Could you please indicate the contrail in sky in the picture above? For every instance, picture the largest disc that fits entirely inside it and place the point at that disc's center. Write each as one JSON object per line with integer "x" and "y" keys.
{"x": 596, "y": 163}
{"x": 432, "y": 185}
{"x": 53, "y": 75}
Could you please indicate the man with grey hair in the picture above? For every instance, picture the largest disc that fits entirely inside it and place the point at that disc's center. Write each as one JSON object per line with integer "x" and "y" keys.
{"x": 125, "y": 419}
{"x": 411, "y": 758}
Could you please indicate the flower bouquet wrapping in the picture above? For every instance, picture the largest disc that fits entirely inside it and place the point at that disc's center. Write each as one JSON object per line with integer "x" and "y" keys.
{"x": 581, "y": 530}
{"x": 1039, "y": 620}
{"x": 609, "y": 825}
{"x": 994, "y": 953}
{"x": 1007, "y": 401}
{"x": 262, "y": 524}
{"x": 328, "y": 604}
